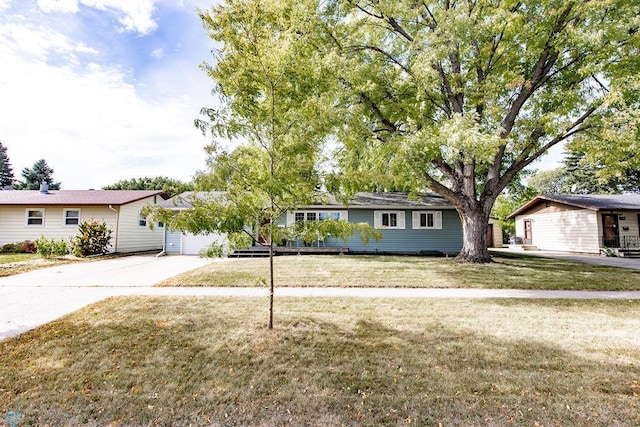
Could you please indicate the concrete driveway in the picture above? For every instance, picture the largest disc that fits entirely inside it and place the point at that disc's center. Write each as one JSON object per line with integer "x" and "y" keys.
{"x": 40, "y": 296}
{"x": 633, "y": 263}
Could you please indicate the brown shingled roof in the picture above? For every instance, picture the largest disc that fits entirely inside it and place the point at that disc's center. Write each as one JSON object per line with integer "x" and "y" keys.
{"x": 74, "y": 197}
{"x": 594, "y": 202}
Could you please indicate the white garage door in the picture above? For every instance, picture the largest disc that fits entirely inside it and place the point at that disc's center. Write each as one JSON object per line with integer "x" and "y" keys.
{"x": 192, "y": 244}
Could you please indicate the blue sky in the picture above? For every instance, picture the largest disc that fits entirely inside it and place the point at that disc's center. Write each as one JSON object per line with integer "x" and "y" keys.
{"x": 103, "y": 90}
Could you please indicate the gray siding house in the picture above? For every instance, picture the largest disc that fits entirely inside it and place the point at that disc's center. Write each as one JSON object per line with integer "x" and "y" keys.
{"x": 424, "y": 225}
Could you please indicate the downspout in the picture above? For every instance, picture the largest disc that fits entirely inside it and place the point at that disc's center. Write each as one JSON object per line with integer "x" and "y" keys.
{"x": 164, "y": 242}
{"x": 115, "y": 247}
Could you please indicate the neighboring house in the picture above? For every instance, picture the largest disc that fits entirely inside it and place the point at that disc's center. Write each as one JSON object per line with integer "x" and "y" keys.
{"x": 55, "y": 214}
{"x": 580, "y": 223}
{"x": 426, "y": 225}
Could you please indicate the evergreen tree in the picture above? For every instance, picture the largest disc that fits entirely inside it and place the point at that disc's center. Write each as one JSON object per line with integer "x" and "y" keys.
{"x": 39, "y": 173}
{"x": 6, "y": 170}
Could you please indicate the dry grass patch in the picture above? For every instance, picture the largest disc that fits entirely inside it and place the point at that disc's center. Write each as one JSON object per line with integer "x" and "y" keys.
{"x": 506, "y": 272}
{"x": 329, "y": 362}
{"x": 11, "y": 264}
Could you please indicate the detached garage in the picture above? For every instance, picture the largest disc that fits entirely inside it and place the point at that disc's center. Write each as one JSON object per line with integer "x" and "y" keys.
{"x": 178, "y": 243}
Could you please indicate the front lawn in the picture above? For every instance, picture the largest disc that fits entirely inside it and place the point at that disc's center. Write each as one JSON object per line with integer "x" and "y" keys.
{"x": 506, "y": 272}
{"x": 329, "y": 362}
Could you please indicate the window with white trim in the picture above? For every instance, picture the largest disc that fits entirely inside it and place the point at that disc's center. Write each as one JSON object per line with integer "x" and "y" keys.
{"x": 142, "y": 220}
{"x": 35, "y": 217}
{"x": 389, "y": 219}
{"x": 71, "y": 216}
{"x": 427, "y": 220}
{"x": 301, "y": 216}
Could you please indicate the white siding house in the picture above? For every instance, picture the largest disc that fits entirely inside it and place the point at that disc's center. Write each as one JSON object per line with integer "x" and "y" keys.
{"x": 55, "y": 214}
{"x": 580, "y": 223}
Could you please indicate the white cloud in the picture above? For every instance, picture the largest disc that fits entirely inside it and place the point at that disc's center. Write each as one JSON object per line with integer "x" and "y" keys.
{"x": 67, "y": 6}
{"x": 135, "y": 15}
{"x": 5, "y": 4}
{"x": 157, "y": 53}
{"x": 39, "y": 42}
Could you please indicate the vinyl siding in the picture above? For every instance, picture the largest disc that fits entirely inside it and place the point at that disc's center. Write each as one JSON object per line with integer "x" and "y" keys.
{"x": 568, "y": 231}
{"x": 13, "y": 226}
{"x": 133, "y": 237}
{"x": 446, "y": 240}
{"x": 173, "y": 241}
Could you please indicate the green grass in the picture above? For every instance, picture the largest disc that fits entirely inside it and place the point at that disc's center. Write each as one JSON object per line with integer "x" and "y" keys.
{"x": 329, "y": 362}
{"x": 506, "y": 272}
{"x": 11, "y": 258}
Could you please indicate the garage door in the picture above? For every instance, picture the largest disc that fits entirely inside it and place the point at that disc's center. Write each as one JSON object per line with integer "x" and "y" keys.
{"x": 192, "y": 244}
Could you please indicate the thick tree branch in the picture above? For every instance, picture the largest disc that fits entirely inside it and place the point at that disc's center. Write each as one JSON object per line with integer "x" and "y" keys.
{"x": 388, "y": 124}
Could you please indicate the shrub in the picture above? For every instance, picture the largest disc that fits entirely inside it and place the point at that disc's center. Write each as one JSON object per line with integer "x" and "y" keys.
{"x": 29, "y": 247}
{"x": 93, "y": 239}
{"x": 48, "y": 248}
{"x": 18, "y": 248}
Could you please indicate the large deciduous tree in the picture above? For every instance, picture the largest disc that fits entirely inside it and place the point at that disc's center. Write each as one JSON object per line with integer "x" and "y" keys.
{"x": 460, "y": 95}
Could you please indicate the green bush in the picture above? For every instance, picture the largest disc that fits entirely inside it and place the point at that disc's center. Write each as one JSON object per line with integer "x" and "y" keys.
{"x": 48, "y": 248}
{"x": 93, "y": 239}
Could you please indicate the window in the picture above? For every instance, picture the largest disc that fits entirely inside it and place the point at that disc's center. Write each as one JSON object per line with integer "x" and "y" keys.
{"x": 301, "y": 216}
{"x": 35, "y": 217}
{"x": 427, "y": 220}
{"x": 142, "y": 221}
{"x": 71, "y": 216}
{"x": 389, "y": 219}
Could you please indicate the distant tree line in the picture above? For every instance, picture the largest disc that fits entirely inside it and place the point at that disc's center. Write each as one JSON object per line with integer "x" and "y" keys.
{"x": 168, "y": 185}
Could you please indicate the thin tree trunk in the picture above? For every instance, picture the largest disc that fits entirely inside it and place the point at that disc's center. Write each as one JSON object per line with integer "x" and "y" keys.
{"x": 271, "y": 288}
{"x": 474, "y": 234}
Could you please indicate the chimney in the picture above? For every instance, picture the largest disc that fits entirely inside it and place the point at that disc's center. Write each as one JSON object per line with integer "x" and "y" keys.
{"x": 44, "y": 188}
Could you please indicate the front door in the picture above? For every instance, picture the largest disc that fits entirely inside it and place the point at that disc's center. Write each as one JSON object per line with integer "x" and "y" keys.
{"x": 610, "y": 235}
{"x": 528, "y": 238}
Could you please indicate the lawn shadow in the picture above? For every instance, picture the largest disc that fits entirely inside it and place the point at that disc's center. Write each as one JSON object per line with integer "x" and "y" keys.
{"x": 205, "y": 362}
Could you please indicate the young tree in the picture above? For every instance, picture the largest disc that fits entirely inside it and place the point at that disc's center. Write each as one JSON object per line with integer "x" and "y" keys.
{"x": 168, "y": 185}
{"x": 265, "y": 88}
{"x": 6, "y": 170}
{"x": 460, "y": 96}
{"x": 39, "y": 173}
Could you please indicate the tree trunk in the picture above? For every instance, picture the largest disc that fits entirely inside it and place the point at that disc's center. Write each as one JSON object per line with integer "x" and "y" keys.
{"x": 271, "y": 287}
{"x": 474, "y": 234}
